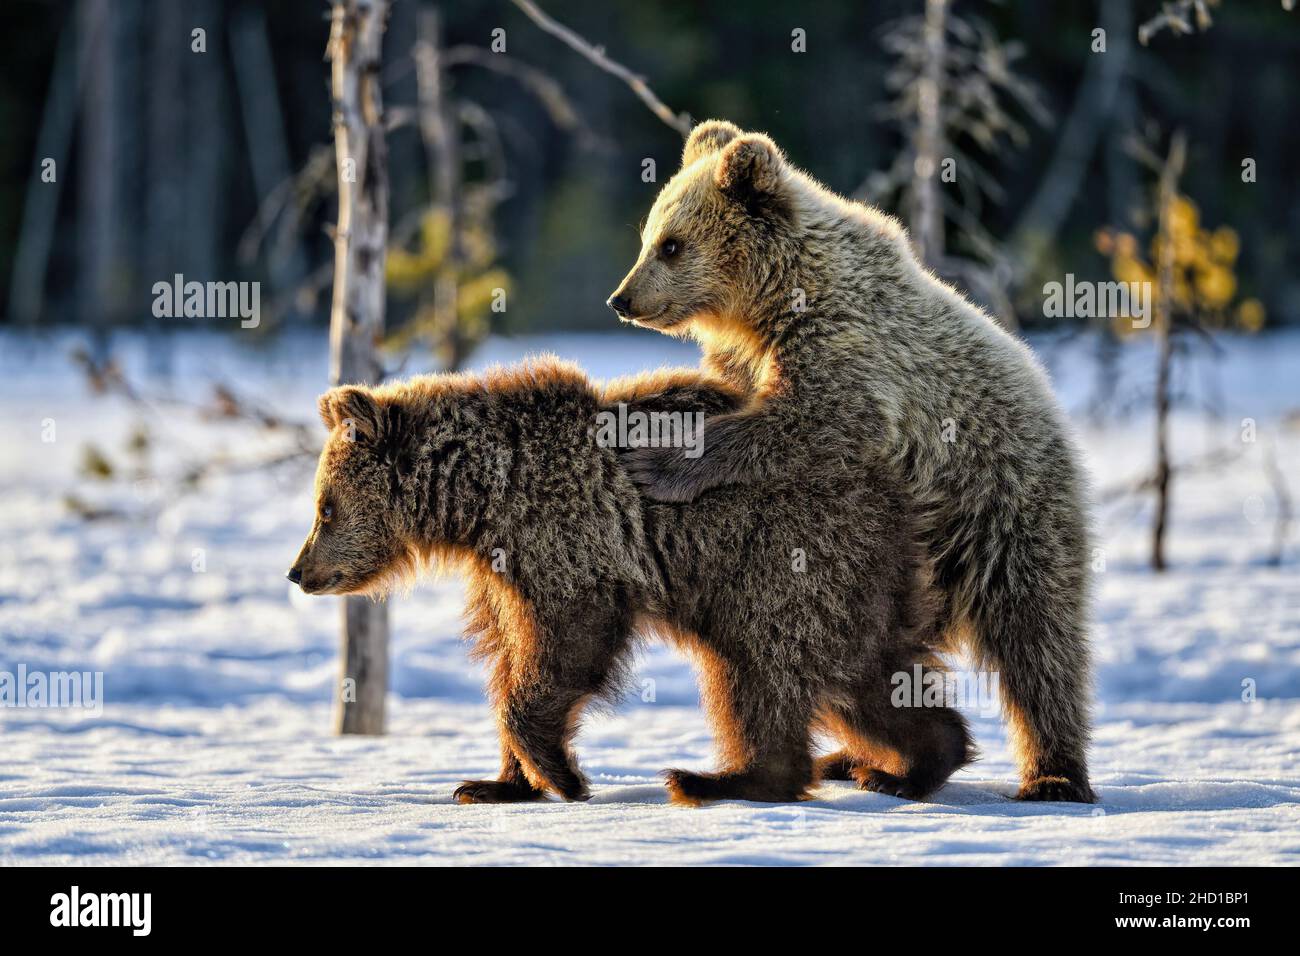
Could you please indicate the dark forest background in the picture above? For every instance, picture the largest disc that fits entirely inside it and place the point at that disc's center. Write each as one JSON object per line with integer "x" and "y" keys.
{"x": 171, "y": 161}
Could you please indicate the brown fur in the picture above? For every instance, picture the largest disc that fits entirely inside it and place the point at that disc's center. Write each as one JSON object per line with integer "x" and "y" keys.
{"x": 854, "y": 356}
{"x": 505, "y": 468}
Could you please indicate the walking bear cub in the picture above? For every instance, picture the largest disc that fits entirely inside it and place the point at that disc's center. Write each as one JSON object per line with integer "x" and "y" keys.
{"x": 798, "y": 596}
{"x": 819, "y": 310}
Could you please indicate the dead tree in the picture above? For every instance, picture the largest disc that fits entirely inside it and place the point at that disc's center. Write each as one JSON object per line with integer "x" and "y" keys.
{"x": 207, "y": 143}
{"x": 451, "y": 264}
{"x": 440, "y": 131}
{"x": 41, "y": 201}
{"x": 98, "y": 197}
{"x": 357, "y": 309}
{"x": 926, "y": 219}
{"x": 953, "y": 86}
{"x": 254, "y": 70}
{"x": 1164, "y": 320}
{"x": 1091, "y": 115}
{"x": 453, "y": 252}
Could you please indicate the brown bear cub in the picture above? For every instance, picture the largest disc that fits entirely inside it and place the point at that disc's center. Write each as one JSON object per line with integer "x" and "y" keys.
{"x": 800, "y": 597}
{"x": 817, "y": 307}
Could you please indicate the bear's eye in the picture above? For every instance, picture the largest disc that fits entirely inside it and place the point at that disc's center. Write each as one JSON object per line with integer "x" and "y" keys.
{"x": 669, "y": 248}
{"x": 326, "y": 513}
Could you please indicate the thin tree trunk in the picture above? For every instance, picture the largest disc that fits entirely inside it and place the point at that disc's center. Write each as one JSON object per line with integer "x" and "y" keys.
{"x": 129, "y": 26}
{"x": 1173, "y": 168}
{"x": 166, "y": 128}
{"x": 164, "y": 164}
{"x": 41, "y": 201}
{"x": 927, "y": 214}
{"x": 97, "y": 199}
{"x": 264, "y": 130}
{"x": 440, "y": 130}
{"x": 204, "y": 204}
{"x": 1076, "y": 141}
{"x": 357, "y": 309}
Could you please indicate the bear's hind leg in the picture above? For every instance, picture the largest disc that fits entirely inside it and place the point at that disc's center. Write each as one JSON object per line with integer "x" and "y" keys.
{"x": 837, "y": 766}
{"x": 1047, "y": 711}
{"x": 763, "y": 782}
{"x": 762, "y": 726}
{"x": 905, "y": 752}
{"x": 1034, "y": 637}
{"x": 760, "y": 784}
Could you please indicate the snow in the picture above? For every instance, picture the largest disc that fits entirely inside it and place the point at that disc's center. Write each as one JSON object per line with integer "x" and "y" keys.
{"x": 214, "y": 745}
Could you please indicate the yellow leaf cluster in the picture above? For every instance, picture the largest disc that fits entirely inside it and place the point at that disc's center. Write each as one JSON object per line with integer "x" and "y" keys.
{"x": 1204, "y": 262}
{"x": 416, "y": 270}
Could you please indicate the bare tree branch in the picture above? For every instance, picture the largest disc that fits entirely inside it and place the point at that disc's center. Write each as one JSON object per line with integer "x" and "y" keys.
{"x": 1210, "y": 461}
{"x": 678, "y": 121}
{"x": 545, "y": 88}
{"x": 1178, "y": 15}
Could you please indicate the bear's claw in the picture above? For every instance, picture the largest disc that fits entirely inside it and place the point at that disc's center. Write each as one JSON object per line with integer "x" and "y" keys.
{"x": 687, "y": 788}
{"x": 692, "y": 789}
{"x": 890, "y": 784}
{"x": 495, "y": 791}
{"x": 1056, "y": 789}
{"x": 659, "y": 473}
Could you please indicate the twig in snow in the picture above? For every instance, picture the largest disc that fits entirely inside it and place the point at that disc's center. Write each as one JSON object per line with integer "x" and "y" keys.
{"x": 1283, "y": 495}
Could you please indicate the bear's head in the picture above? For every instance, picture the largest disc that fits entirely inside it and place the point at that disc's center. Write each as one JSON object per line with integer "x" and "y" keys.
{"x": 360, "y": 539}
{"x": 717, "y": 231}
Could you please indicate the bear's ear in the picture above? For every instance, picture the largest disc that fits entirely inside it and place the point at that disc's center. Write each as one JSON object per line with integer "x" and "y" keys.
{"x": 750, "y": 167}
{"x": 325, "y": 405}
{"x": 355, "y": 406}
{"x": 709, "y": 137}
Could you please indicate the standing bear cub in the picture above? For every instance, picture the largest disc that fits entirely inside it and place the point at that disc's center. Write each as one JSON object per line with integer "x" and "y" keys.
{"x": 800, "y": 597}
{"x": 818, "y": 309}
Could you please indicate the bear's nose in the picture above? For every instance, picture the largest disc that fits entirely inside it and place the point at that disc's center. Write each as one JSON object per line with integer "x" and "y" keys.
{"x": 295, "y": 575}
{"x": 620, "y": 304}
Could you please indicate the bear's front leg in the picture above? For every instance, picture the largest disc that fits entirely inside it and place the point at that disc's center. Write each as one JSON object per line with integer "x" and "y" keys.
{"x": 573, "y": 656}
{"x": 511, "y": 785}
{"x": 735, "y": 449}
{"x": 761, "y": 722}
{"x": 667, "y": 475}
{"x": 672, "y": 390}
{"x": 539, "y": 729}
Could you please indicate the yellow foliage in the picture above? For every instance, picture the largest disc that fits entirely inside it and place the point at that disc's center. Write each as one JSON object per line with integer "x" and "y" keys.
{"x": 476, "y": 295}
{"x": 418, "y": 270}
{"x": 435, "y": 233}
{"x": 1216, "y": 286}
{"x": 1131, "y": 269}
{"x": 1250, "y": 315}
{"x": 1184, "y": 218}
{"x": 1224, "y": 245}
{"x": 1204, "y": 283}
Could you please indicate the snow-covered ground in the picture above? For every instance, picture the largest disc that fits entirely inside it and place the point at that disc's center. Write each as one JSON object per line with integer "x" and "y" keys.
{"x": 213, "y": 744}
